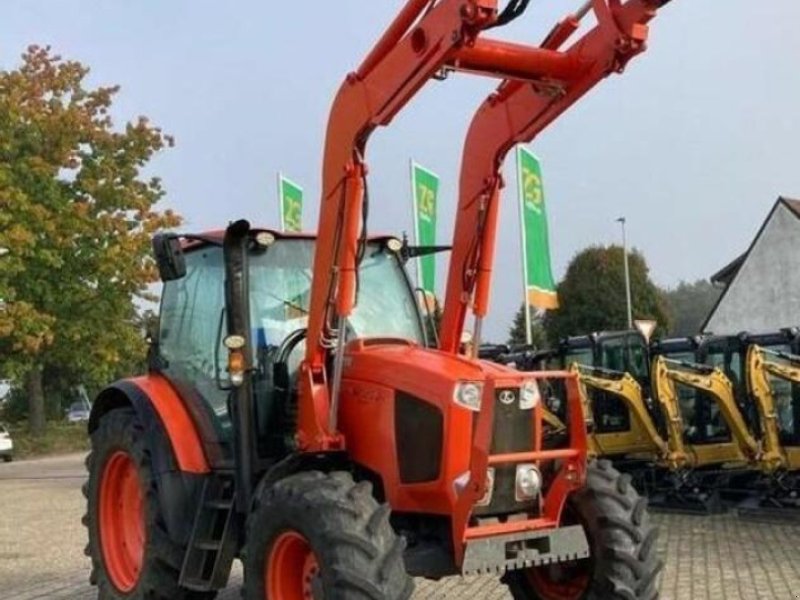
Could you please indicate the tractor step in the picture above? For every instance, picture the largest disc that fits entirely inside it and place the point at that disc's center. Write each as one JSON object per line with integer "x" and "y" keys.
{"x": 213, "y": 544}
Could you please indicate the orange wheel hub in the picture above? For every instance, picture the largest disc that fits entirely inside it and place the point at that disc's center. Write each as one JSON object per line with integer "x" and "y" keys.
{"x": 122, "y": 531}
{"x": 291, "y": 570}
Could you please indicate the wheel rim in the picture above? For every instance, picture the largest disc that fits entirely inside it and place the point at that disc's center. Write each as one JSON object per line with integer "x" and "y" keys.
{"x": 567, "y": 580}
{"x": 291, "y": 570}
{"x": 122, "y": 532}
{"x": 563, "y": 581}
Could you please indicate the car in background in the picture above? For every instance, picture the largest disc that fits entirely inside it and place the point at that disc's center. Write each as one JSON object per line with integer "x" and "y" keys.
{"x": 78, "y": 412}
{"x": 6, "y": 445}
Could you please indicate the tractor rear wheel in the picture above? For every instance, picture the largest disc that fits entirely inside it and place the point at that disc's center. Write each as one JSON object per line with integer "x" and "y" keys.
{"x": 313, "y": 536}
{"x": 623, "y": 564}
{"x": 132, "y": 555}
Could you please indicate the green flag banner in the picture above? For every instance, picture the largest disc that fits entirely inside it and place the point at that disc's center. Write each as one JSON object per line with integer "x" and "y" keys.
{"x": 291, "y": 204}
{"x": 425, "y": 192}
{"x": 540, "y": 287}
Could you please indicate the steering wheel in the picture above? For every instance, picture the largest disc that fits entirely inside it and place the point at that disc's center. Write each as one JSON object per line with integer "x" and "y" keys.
{"x": 291, "y": 341}
{"x": 289, "y": 344}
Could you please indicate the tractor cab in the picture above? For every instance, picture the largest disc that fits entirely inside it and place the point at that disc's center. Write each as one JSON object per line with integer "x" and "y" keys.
{"x": 191, "y": 348}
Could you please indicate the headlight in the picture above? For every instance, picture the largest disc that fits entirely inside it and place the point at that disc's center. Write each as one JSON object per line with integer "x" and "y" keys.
{"x": 487, "y": 497}
{"x": 462, "y": 480}
{"x": 468, "y": 394}
{"x": 529, "y": 395}
{"x": 529, "y": 482}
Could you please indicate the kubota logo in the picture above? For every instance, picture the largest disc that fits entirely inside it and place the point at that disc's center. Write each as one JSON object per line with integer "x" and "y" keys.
{"x": 507, "y": 397}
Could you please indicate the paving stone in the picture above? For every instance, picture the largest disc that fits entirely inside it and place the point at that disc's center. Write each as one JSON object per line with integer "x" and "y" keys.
{"x": 707, "y": 558}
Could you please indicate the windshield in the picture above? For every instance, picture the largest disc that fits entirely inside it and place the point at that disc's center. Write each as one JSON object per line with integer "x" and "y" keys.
{"x": 582, "y": 356}
{"x": 730, "y": 363}
{"x": 280, "y": 283}
{"x": 784, "y": 394}
{"x": 625, "y": 353}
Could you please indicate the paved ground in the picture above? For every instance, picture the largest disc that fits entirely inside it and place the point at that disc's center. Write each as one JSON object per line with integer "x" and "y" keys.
{"x": 42, "y": 540}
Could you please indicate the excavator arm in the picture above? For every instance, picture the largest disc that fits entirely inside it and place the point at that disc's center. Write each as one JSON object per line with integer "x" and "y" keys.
{"x": 625, "y": 387}
{"x": 539, "y": 85}
{"x": 666, "y": 373}
{"x": 759, "y": 369}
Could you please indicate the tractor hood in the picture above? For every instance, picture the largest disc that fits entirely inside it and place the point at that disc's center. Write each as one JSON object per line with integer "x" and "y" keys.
{"x": 423, "y": 372}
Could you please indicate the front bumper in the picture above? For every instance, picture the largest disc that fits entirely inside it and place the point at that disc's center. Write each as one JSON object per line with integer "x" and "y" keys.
{"x": 498, "y": 554}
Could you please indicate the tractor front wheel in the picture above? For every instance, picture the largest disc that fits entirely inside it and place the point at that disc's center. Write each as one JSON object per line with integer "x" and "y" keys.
{"x": 313, "y": 536}
{"x": 623, "y": 564}
{"x": 133, "y": 557}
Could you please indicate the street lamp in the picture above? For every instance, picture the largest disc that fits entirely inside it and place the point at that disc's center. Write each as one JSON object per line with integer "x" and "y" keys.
{"x": 621, "y": 221}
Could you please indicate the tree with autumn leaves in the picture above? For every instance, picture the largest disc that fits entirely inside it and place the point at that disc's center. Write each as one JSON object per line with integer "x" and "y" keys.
{"x": 76, "y": 219}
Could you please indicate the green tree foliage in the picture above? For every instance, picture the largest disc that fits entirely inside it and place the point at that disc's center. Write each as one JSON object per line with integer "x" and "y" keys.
{"x": 76, "y": 219}
{"x": 516, "y": 335}
{"x": 592, "y": 294}
{"x": 689, "y": 304}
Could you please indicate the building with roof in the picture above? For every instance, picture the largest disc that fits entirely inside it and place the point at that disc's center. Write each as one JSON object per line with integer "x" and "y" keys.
{"x": 762, "y": 286}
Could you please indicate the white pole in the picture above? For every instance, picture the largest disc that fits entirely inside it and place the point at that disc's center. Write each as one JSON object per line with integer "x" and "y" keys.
{"x": 415, "y": 217}
{"x": 280, "y": 200}
{"x": 621, "y": 220}
{"x": 523, "y": 247}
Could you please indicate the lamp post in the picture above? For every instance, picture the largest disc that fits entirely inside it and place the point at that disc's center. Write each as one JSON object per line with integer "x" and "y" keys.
{"x": 621, "y": 221}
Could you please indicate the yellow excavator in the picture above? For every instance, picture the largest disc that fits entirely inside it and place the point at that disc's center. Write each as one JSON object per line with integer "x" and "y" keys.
{"x": 703, "y": 419}
{"x": 627, "y": 427}
{"x": 766, "y": 371}
{"x": 714, "y": 417}
{"x": 685, "y": 442}
{"x": 773, "y": 382}
{"x": 641, "y": 440}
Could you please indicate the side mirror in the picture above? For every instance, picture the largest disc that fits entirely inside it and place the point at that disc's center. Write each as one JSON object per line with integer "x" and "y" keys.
{"x": 169, "y": 256}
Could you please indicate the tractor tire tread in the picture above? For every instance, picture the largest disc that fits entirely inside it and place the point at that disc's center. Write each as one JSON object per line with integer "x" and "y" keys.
{"x": 120, "y": 429}
{"x": 621, "y": 537}
{"x": 361, "y": 557}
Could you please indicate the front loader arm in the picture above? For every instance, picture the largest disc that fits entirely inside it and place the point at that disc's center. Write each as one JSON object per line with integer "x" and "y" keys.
{"x": 539, "y": 86}
{"x": 414, "y": 48}
{"x": 427, "y": 39}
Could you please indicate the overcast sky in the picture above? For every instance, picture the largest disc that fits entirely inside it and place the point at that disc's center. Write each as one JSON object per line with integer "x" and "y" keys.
{"x": 692, "y": 144}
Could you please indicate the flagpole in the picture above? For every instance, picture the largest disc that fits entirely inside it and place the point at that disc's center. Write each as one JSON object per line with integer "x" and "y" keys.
{"x": 280, "y": 201}
{"x": 523, "y": 247}
{"x": 415, "y": 217}
{"x": 622, "y": 222}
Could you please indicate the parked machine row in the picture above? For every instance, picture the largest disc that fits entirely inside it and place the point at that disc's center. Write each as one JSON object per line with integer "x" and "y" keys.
{"x": 701, "y": 423}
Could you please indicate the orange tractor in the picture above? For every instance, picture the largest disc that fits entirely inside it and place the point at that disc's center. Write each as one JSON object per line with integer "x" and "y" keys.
{"x": 294, "y": 416}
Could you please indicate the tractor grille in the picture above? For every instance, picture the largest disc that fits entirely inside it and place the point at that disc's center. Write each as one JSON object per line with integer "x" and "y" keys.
{"x": 419, "y": 434}
{"x": 512, "y": 432}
